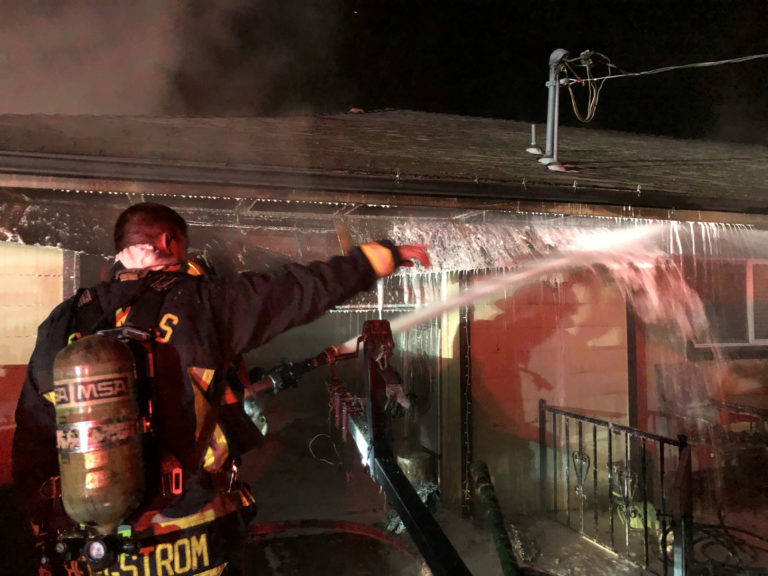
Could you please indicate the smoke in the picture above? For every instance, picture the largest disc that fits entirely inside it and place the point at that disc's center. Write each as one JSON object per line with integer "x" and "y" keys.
{"x": 253, "y": 58}
{"x": 154, "y": 57}
{"x": 87, "y": 57}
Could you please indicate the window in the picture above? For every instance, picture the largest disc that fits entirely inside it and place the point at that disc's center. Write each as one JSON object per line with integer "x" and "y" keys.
{"x": 758, "y": 301}
{"x": 735, "y": 298}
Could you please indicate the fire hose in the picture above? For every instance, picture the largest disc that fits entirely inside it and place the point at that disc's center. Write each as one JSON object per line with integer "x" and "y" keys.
{"x": 366, "y": 422}
{"x": 484, "y": 488}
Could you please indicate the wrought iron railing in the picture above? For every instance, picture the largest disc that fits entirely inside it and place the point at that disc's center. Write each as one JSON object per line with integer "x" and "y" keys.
{"x": 629, "y": 490}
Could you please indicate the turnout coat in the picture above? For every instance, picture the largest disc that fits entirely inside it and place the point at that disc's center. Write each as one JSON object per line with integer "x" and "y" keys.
{"x": 201, "y": 325}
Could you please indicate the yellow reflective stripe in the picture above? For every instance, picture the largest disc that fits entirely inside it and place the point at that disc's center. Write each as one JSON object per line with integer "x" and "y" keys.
{"x": 380, "y": 258}
{"x": 217, "y": 452}
{"x": 121, "y": 316}
{"x": 201, "y": 376}
{"x": 202, "y": 517}
{"x": 216, "y": 508}
{"x": 51, "y": 397}
{"x": 246, "y": 498}
{"x": 208, "y": 376}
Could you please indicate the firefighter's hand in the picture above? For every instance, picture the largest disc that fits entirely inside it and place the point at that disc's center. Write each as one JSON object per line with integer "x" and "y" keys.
{"x": 410, "y": 252}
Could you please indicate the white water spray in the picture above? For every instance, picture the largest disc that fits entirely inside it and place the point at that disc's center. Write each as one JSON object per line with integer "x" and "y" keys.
{"x": 585, "y": 250}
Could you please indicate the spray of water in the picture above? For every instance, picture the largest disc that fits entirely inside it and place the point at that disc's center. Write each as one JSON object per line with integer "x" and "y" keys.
{"x": 585, "y": 249}
{"x": 650, "y": 265}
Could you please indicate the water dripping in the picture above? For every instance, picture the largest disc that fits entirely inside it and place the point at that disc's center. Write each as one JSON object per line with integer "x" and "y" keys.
{"x": 585, "y": 252}
{"x": 418, "y": 290}
{"x": 380, "y": 296}
{"x": 643, "y": 261}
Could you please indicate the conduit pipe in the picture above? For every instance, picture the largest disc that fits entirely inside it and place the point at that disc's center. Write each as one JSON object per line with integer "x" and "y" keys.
{"x": 553, "y": 109}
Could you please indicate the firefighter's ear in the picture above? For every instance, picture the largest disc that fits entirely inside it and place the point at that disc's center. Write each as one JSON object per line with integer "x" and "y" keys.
{"x": 163, "y": 242}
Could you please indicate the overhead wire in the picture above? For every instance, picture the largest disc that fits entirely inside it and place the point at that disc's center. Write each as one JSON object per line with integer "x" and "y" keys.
{"x": 589, "y": 59}
{"x": 678, "y": 67}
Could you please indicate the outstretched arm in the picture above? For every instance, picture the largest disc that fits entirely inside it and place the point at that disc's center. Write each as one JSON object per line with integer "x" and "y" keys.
{"x": 258, "y": 307}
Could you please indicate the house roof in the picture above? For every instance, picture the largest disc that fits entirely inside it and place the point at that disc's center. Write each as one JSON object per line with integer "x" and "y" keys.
{"x": 270, "y": 190}
{"x": 391, "y": 152}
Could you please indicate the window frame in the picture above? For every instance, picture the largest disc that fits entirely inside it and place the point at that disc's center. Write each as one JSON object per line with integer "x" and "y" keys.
{"x": 752, "y": 347}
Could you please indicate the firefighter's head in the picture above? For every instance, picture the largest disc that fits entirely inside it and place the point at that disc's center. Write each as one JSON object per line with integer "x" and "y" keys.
{"x": 154, "y": 224}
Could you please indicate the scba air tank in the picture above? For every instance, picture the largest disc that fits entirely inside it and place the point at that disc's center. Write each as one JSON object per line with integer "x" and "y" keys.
{"x": 98, "y": 432}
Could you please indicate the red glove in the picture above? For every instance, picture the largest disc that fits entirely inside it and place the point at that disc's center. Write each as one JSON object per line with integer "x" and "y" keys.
{"x": 384, "y": 257}
{"x": 409, "y": 253}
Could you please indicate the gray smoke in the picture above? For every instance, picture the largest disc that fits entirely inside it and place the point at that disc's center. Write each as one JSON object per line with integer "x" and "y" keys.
{"x": 154, "y": 57}
{"x": 88, "y": 56}
{"x": 255, "y": 58}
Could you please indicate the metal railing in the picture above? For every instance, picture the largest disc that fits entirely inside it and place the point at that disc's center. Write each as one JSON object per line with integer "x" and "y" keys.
{"x": 629, "y": 490}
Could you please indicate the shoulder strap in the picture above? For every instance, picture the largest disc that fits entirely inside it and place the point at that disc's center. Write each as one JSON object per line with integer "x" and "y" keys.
{"x": 148, "y": 300}
{"x": 89, "y": 316}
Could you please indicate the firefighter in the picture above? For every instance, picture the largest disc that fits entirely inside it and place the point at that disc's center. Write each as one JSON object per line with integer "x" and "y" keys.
{"x": 77, "y": 418}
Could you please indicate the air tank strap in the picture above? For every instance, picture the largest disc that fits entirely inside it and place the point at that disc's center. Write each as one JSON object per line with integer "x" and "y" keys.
{"x": 87, "y": 314}
{"x": 146, "y": 301}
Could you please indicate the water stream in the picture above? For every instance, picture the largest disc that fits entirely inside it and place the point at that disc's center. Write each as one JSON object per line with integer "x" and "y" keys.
{"x": 630, "y": 255}
{"x": 656, "y": 267}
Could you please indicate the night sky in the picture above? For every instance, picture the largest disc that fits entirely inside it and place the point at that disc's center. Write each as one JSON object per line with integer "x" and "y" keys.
{"x": 481, "y": 58}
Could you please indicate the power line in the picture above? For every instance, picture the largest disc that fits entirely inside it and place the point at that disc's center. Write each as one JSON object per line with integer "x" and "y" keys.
{"x": 588, "y": 59}
{"x": 669, "y": 68}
